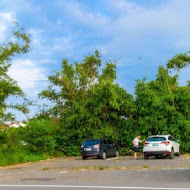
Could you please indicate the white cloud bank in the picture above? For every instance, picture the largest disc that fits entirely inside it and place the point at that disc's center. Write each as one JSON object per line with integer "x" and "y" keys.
{"x": 28, "y": 75}
{"x": 77, "y": 10}
{"x": 6, "y": 19}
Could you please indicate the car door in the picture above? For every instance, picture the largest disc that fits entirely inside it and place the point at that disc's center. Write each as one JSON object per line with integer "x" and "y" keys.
{"x": 176, "y": 144}
{"x": 112, "y": 149}
{"x": 106, "y": 147}
{"x": 173, "y": 143}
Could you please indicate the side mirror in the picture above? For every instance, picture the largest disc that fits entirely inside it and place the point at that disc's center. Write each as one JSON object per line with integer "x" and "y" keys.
{"x": 177, "y": 141}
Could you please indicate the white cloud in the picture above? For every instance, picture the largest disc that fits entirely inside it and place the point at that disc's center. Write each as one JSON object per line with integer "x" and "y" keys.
{"x": 122, "y": 6}
{"x": 63, "y": 44}
{"x": 134, "y": 27}
{"x": 28, "y": 75}
{"x": 19, "y": 6}
{"x": 36, "y": 35}
{"x": 59, "y": 22}
{"x": 39, "y": 43}
{"x": 6, "y": 19}
{"x": 79, "y": 13}
{"x": 142, "y": 29}
{"x": 46, "y": 47}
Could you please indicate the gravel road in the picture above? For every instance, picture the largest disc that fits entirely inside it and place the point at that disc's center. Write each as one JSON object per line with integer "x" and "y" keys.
{"x": 117, "y": 172}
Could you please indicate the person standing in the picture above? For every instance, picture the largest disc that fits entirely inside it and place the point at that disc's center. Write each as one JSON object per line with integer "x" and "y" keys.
{"x": 136, "y": 142}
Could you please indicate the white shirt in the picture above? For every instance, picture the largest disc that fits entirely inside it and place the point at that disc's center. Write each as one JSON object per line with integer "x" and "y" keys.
{"x": 136, "y": 142}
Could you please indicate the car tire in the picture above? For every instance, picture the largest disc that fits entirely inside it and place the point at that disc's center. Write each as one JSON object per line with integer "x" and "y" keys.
{"x": 171, "y": 155}
{"x": 84, "y": 157}
{"x": 179, "y": 153}
{"x": 104, "y": 155}
{"x": 146, "y": 157}
{"x": 116, "y": 153}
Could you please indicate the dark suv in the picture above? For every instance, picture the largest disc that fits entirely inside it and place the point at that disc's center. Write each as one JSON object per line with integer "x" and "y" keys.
{"x": 100, "y": 148}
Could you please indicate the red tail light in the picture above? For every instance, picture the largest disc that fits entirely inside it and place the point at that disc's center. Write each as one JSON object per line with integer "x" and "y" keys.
{"x": 146, "y": 143}
{"x": 165, "y": 142}
{"x": 96, "y": 146}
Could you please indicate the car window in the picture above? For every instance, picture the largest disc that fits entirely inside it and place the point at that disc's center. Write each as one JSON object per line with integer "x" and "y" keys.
{"x": 91, "y": 142}
{"x": 105, "y": 141}
{"x": 156, "y": 139}
{"x": 110, "y": 142}
{"x": 171, "y": 138}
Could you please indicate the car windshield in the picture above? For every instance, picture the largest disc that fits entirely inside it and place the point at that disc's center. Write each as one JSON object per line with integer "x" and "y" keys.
{"x": 156, "y": 139}
{"x": 91, "y": 142}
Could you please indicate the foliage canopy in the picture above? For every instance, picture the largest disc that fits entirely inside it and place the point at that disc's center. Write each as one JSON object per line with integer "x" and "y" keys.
{"x": 88, "y": 102}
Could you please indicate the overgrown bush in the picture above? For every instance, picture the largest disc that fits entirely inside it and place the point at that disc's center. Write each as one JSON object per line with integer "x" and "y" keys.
{"x": 14, "y": 150}
{"x": 40, "y": 136}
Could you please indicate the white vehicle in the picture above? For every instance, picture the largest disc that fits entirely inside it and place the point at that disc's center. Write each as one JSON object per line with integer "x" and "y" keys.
{"x": 161, "y": 145}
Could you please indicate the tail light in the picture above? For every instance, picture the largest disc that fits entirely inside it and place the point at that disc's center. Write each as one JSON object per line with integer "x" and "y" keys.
{"x": 146, "y": 143}
{"x": 96, "y": 146}
{"x": 165, "y": 142}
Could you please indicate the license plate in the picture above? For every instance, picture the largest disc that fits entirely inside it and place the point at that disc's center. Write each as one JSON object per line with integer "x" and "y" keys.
{"x": 88, "y": 149}
{"x": 154, "y": 144}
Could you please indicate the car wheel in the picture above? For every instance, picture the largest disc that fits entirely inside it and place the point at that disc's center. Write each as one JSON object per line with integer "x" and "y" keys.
{"x": 179, "y": 153}
{"x": 116, "y": 154}
{"x": 146, "y": 157}
{"x": 84, "y": 157}
{"x": 104, "y": 155}
{"x": 171, "y": 156}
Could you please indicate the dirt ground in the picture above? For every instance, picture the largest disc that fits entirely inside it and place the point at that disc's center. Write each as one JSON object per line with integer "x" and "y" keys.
{"x": 112, "y": 171}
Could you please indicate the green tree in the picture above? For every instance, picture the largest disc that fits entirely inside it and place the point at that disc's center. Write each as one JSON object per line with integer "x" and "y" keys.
{"x": 163, "y": 107}
{"x": 88, "y": 102}
{"x": 8, "y": 86}
{"x": 179, "y": 61}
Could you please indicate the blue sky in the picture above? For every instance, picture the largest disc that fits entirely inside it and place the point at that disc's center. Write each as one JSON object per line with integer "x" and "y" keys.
{"x": 123, "y": 30}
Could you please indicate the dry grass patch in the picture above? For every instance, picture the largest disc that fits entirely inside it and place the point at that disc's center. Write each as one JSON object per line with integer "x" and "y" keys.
{"x": 186, "y": 155}
{"x": 103, "y": 167}
{"x": 83, "y": 168}
{"x": 145, "y": 167}
{"x": 117, "y": 159}
{"x": 46, "y": 168}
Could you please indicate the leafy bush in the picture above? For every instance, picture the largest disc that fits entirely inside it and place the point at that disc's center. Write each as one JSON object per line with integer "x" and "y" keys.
{"x": 13, "y": 150}
{"x": 39, "y": 136}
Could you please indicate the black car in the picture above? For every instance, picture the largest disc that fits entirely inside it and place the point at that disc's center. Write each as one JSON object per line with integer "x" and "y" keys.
{"x": 100, "y": 148}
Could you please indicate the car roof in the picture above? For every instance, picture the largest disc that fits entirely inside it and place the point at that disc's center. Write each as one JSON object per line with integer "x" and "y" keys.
{"x": 101, "y": 139}
{"x": 159, "y": 136}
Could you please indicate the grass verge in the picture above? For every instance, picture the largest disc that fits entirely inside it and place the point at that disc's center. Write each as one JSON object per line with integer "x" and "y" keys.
{"x": 8, "y": 159}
